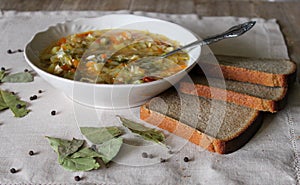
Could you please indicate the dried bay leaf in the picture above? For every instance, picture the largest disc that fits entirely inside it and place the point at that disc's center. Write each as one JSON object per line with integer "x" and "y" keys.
{"x": 149, "y": 134}
{"x": 20, "y": 77}
{"x": 82, "y": 160}
{"x": 8, "y": 100}
{"x": 56, "y": 142}
{"x": 98, "y": 135}
{"x": 70, "y": 147}
{"x": 110, "y": 149}
{"x": 80, "y": 164}
{"x": 85, "y": 152}
{"x": 2, "y": 74}
{"x": 133, "y": 125}
{"x": 72, "y": 157}
{"x": 64, "y": 147}
{"x": 3, "y": 105}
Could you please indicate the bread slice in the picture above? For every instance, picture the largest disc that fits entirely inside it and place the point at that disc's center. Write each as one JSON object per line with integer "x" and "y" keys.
{"x": 214, "y": 125}
{"x": 254, "y": 96}
{"x": 268, "y": 72}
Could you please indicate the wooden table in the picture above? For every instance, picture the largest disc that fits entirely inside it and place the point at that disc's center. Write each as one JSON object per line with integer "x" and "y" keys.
{"x": 287, "y": 13}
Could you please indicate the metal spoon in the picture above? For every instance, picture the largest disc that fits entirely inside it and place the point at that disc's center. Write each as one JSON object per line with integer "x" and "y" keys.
{"x": 232, "y": 32}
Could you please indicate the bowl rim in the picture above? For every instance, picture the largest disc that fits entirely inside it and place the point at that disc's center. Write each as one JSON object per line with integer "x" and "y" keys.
{"x": 35, "y": 67}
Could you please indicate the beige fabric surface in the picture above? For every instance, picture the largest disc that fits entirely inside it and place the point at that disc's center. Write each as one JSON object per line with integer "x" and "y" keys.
{"x": 271, "y": 157}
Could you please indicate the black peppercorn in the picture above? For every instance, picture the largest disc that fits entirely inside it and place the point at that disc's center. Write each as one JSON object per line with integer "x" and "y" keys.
{"x": 40, "y": 91}
{"x": 53, "y": 112}
{"x": 144, "y": 155}
{"x": 20, "y": 50}
{"x": 9, "y": 51}
{"x": 31, "y": 152}
{"x": 19, "y": 106}
{"x": 163, "y": 160}
{"x": 12, "y": 170}
{"x": 25, "y": 70}
{"x": 186, "y": 159}
{"x": 77, "y": 178}
{"x": 34, "y": 97}
{"x": 2, "y": 69}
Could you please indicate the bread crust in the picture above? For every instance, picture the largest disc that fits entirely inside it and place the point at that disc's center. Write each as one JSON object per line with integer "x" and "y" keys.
{"x": 201, "y": 139}
{"x": 250, "y": 76}
{"x": 233, "y": 97}
{"x": 256, "y": 77}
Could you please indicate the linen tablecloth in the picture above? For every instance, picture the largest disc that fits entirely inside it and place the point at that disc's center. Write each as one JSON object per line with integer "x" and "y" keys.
{"x": 270, "y": 157}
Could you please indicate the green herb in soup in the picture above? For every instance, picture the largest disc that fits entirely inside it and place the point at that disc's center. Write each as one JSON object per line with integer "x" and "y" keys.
{"x": 113, "y": 57}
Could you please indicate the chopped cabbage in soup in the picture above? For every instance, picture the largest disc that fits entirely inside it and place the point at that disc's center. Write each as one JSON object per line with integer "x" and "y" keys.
{"x": 113, "y": 56}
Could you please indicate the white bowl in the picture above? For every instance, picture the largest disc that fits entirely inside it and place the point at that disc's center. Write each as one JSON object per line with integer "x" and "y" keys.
{"x": 110, "y": 96}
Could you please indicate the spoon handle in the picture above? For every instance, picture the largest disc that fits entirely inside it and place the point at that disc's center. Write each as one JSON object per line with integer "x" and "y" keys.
{"x": 232, "y": 32}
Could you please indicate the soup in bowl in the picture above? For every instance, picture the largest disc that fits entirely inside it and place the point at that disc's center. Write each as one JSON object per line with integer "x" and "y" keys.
{"x": 96, "y": 61}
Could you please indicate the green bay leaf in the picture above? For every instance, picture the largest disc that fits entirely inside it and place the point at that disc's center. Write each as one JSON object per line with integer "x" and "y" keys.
{"x": 55, "y": 142}
{"x": 64, "y": 147}
{"x": 20, "y": 77}
{"x": 147, "y": 133}
{"x": 2, "y": 74}
{"x": 3, "y": 105}
{"x": 8, "y": 100}
{"x": 85, "y": 152}
{"x": 110, "y": 149}
{"x": 69, "y": 148}
{"x": 152, "y": 135}
{"x": 72, "y": 156}
{"x": 98, "y": 135}
{"x": 133, "y": 125}
{"x": 80, "y": 164}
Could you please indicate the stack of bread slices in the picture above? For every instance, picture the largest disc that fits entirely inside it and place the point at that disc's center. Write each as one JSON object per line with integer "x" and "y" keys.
{"x": 219, "y": 106}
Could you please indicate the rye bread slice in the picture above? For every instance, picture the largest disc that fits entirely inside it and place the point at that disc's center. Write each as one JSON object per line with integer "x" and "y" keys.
{"x": 268, "y": 72}
{"x": 263, "y": 98}
{"x": 214, "y": 125}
